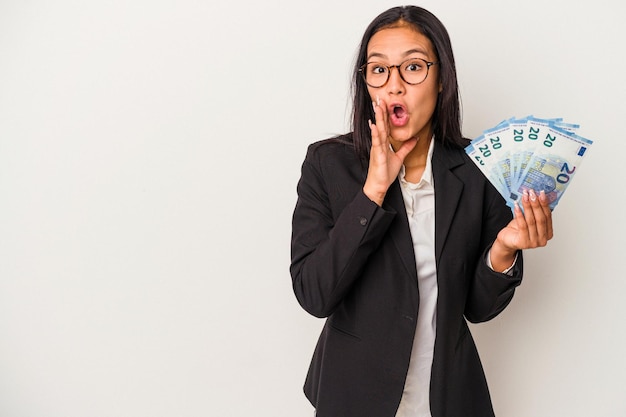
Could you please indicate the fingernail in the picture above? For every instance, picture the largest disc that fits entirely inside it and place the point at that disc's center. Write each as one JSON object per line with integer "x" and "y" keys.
{"x": 374, "y": 106}
{"x": 525, "y": 196}
{"x": 533, "y": 196}
{"x": 378, "y": 100}
{"x": 369, "y": 122}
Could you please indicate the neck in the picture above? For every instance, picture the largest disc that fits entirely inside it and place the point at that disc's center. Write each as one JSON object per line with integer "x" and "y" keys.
{"x": 417, "y": 157}
{"x": 415, "y": 161}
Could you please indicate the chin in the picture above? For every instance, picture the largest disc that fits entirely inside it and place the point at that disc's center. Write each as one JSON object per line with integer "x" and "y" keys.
{"x": 402, "y": 135}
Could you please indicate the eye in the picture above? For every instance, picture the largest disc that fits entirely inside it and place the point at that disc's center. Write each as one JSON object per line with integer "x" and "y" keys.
{"x": 377, "y": 69}
{"x": 413, "y": 66}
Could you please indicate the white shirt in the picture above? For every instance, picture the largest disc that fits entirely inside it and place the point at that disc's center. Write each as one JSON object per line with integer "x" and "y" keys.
{"x": 419, "y": 201}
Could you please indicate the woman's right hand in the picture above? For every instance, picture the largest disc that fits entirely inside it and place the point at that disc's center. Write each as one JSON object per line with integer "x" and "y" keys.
{"x": 385, "y": 163}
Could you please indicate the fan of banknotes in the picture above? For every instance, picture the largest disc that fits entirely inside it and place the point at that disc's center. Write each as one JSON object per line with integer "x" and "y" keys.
{"x": 529, "y": 153}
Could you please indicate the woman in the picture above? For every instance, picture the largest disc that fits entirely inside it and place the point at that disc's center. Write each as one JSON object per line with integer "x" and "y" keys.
{"x": 398, "y": 238}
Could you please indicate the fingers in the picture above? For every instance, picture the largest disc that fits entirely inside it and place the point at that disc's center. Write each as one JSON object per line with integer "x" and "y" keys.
{"x": 375, "y": 135}
{"x": 537, "y": 218}
{"x": 385, "y": 115}
{"x": 406, "y": 148}
{"x": 381, "y": 123}
{"x": 522, "y": 227}
{"x": 382, "y": 171}
{"x": 547, "y": 212}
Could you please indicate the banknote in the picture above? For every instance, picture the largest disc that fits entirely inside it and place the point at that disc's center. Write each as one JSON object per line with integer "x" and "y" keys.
{"x": 490, "y": 151}
{"x": 519, "y": 154}
{"x": 553, "y": 164}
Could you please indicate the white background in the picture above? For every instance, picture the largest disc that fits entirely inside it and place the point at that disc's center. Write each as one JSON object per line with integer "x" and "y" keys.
{"x": 149, "y": 153}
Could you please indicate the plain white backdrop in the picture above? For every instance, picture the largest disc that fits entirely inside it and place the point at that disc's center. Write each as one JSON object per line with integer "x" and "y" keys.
{"x": 149, "y": 153}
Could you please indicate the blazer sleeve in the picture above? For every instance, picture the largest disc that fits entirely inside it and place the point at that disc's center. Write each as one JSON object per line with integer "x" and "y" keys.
{"x": 331, "y": 241}
{"x": 490, "y": 291}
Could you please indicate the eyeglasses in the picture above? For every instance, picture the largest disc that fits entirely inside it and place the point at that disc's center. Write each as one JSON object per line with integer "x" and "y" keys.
{"x": 412, "y": 71}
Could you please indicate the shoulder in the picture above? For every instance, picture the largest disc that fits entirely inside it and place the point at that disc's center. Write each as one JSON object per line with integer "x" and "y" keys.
{"x": 333, "y": 165}
{"x": 335, "y": 147}
{"x": 453, "y": 158}
{"x": 333, "y": 154}
{"x": 450, "y": 155}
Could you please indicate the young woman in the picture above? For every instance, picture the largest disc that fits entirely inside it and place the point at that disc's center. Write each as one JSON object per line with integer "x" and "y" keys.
{"x": 398, "y": 238}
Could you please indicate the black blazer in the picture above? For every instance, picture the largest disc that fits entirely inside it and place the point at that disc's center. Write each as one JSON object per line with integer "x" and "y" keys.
{"x": 354, "y": 263}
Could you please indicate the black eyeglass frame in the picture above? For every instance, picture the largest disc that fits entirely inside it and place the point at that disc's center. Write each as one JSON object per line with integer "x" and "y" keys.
{"x": 389, "y": 67}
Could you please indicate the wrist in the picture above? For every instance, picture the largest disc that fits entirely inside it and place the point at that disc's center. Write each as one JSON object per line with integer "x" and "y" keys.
{"x": 376, "y": 196}
{"x": 501, "y": 256}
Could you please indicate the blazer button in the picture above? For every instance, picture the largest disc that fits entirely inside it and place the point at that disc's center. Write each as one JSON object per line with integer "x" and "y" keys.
{"x": 363, "y": 221}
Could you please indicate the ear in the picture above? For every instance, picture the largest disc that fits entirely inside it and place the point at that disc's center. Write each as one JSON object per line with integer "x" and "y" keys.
{"x": 440, "y": 87}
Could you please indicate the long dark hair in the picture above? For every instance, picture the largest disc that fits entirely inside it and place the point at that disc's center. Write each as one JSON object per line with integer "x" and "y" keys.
{"x": 447, "y": 114}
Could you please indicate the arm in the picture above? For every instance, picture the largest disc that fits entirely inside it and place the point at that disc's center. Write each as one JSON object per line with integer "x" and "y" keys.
{"x": 329, "y": 251}
{"x": 492, "y": 290}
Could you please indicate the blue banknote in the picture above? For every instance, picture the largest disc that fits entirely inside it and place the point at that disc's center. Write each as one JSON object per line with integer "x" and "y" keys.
{"x": 526, "y": 153}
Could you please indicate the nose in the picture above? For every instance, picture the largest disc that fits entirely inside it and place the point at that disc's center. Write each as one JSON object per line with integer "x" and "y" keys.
{"x": 395, "y": 84}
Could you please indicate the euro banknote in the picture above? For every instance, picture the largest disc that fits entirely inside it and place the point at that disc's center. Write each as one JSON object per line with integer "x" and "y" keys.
{"x": 519, "y": 154}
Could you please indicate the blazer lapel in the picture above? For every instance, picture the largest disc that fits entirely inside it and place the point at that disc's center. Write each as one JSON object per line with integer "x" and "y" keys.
{"x": 400, "y": 232}
{"x": 448, "y": 189}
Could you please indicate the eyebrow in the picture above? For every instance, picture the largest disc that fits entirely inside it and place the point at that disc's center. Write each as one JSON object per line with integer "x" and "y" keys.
{"x": 405, "y": 54}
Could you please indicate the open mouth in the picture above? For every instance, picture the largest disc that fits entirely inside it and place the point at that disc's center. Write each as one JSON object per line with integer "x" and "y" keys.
{"x": 398, "y": 115}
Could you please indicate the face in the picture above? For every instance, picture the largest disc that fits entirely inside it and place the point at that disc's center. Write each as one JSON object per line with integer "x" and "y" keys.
{"x": 410, "y": 107}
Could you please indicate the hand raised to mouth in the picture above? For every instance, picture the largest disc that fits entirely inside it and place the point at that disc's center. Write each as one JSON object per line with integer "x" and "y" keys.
{"x": 385, "y": 163}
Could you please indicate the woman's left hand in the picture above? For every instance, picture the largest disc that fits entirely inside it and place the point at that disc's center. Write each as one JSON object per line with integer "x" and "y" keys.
{"x": 529, "y": 229}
